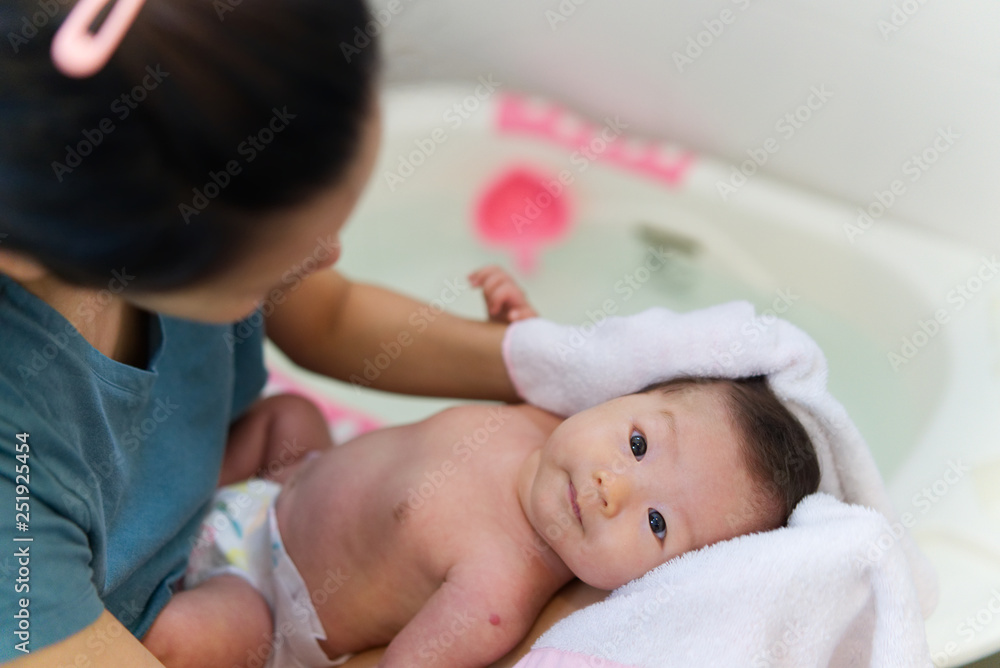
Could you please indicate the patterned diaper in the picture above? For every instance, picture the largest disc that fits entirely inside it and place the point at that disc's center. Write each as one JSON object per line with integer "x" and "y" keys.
{"x": 240, "y": 536}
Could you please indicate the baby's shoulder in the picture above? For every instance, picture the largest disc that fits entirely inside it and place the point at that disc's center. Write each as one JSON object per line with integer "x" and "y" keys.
{"x": 490, "y": 420}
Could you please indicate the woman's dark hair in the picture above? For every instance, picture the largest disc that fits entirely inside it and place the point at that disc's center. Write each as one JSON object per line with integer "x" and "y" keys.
{"x": 210, "y": 115}
{"x": 776, "y": 447}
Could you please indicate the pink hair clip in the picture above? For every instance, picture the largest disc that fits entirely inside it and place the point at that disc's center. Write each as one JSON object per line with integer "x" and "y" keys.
{"x": 79, "y": 53}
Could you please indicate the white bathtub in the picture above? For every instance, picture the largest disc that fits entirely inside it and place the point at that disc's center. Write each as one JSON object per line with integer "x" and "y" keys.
{"x": 931, "y": 414}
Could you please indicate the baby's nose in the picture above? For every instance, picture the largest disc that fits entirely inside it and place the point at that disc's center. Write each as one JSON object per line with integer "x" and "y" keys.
{"x": 612, "y": 492}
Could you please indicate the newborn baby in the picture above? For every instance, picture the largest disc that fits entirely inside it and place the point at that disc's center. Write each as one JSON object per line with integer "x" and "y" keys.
{"x": 446, "y": 537}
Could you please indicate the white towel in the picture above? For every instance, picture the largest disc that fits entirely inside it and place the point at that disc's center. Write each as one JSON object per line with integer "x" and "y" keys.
{"x": 567, "y": 369}
{"x": 804, "y": 595}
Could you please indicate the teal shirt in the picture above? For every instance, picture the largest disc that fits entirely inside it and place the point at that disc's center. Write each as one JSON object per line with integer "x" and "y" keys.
{"x": 120, "y": 464}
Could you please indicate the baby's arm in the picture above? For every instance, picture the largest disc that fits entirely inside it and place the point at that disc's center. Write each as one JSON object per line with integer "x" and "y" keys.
{"x": 472, "y": 620}
{"x": 222, "y": 622}
{"x": 271, "y": 439}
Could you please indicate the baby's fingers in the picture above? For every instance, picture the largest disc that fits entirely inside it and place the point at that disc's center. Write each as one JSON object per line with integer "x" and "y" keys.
{"x": 505, "y": 301}
{"x": 496, "y": 285}
{"x": 508, "y": 304}
{"x": 502, "y": 297}
{"x": 521, "y": 313}
{"x": 479, "y": 276}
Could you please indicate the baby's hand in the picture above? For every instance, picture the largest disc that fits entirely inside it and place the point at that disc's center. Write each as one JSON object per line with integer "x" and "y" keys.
{"x": 505, "y": 300}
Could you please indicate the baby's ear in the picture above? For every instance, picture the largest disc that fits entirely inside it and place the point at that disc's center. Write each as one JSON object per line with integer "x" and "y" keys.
{"x": 20, "y": 267}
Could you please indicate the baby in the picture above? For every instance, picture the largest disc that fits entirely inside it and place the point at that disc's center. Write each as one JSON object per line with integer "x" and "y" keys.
{"x": 446, "y": 537}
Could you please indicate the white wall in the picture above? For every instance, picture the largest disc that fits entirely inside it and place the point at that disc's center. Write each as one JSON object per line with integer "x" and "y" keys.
{"x": 891, "y": 91}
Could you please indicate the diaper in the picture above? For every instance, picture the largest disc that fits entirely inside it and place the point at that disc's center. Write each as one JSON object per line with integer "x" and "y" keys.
{"x": 240, "y": 536}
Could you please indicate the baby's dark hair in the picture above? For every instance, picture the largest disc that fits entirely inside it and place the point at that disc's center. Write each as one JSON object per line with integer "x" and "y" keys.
{"x": 776, "y": 447}
{"x": 94, "y": 171}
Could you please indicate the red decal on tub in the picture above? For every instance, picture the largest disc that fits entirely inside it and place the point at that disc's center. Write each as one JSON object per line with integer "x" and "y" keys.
{"x": 517, "y": 115}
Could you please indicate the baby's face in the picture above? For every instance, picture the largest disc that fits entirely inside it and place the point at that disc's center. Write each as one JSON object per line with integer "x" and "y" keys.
{"x": 627, "y": 485}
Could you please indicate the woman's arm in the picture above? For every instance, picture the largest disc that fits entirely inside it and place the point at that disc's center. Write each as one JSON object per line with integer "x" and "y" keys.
{"x": 373, "y": 337}
{"x": 104, "y": 643}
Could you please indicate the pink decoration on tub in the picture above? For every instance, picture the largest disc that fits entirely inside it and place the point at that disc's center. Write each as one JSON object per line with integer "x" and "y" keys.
{"x": 519, "y": 210}
{"x": 517, "y": 115}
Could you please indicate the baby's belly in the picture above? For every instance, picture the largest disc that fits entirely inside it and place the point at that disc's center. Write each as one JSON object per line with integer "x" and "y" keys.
{"x": 366, "y": 568}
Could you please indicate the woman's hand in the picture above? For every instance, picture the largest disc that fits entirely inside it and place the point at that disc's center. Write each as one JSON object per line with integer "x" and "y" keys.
{"x": 505, "y": 301}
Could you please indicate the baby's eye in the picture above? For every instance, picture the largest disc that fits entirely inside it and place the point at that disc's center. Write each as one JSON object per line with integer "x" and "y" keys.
{"x": 638, "y": 443}
{"x": 657, "y": 524}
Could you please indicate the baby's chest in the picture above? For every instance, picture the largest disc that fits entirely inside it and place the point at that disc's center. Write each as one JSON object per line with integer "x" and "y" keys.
{"x": 448, "y": 517}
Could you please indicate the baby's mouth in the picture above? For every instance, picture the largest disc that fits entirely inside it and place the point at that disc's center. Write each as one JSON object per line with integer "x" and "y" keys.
{"x": 572, "y": 502}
